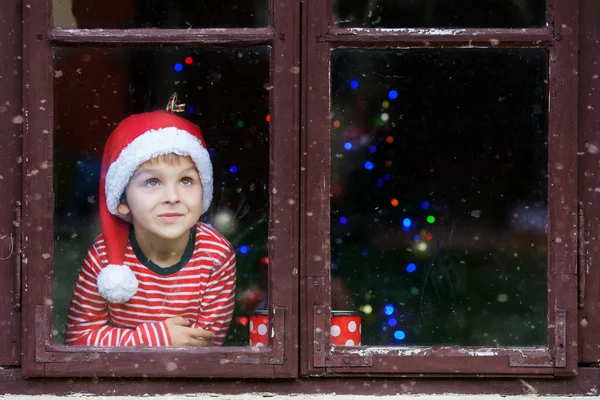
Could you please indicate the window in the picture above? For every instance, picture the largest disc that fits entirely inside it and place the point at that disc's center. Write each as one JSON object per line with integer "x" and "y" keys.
{"x": 408, "y": 186}
{"x": 435, "y": 202}
{"x": 228, "y": 69}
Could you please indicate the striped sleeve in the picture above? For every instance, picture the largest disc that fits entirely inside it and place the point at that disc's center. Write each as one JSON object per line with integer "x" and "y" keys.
{"x": 87, "y": 322}
{"x": 218, "y": 301}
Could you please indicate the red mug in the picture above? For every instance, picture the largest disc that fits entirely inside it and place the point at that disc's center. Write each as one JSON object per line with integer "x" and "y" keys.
{"x": 259, "y": 328}
{"x": 345, "y": 328}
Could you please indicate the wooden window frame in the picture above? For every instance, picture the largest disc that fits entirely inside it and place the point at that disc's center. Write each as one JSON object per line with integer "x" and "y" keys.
{"x": 42, "y": 357}
{"x": 10, "y": 186}
{"x": 559, "y": 357}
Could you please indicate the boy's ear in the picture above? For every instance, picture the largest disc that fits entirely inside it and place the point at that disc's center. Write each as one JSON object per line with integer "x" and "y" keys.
{"x": 123, "y": 208}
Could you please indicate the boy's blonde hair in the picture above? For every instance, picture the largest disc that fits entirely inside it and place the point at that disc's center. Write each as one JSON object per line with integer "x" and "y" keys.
{"x": 169, "y": 159}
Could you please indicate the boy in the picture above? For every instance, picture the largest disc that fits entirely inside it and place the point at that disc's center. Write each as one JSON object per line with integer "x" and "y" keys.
{"x": 156, "y": 276}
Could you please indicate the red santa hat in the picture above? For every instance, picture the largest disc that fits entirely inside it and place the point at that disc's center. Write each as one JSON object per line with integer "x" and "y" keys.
{"x": 137, "y": 139}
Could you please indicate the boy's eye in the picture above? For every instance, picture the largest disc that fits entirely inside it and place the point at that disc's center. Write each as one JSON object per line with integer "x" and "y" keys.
{"x": 151, "y": 182}
{"x": 187, "y": 181}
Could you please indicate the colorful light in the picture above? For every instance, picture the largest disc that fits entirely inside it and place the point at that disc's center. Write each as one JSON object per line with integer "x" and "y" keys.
{"x": 385, "y": 117}
{"x": 392, "y": 322}
{"x": 400, "y": 335}
{"x": 178, "y": 67}
{"x": 372, "y": 149}
{"x": 364, "y": 252}
{"x": 379, "y": 182}
{"x": 425, "y": 205}
{"x": 407, "y": 222}
{"x": 343, "y": 220}
{"x": 189, "y": 60}
{"x": 367, "y": 309}
{"x": 268, "y": 118}
{"x": 354, "y": 84}
{"x": 417, "y": 238}
{"x": 422, "y": 246}
{"x": 336, "y": 124}
{"x": 388, "y": 163}
{"x": 233, "y": 169}
{"x": 369, "y": 165}
{"x": 388, "y": 309}
{"x": 244, "y": 249}
{"x": 431, "y": 219}
{"x": 385, "y": 104}
{"x": 387, "y": 177}
{"x": 393, "y": 94}
{"x": 394, "y": 202}
{"x": 240, "y": 124}
{"x": 348, "y": 146}
{"x": 389, "y": 139}
{"x": 190, "y": 109}
{"x": 410, "y": 268}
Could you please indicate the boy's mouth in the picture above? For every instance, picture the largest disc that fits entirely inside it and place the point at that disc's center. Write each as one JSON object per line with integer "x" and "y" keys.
{"x": 169, "y": 217}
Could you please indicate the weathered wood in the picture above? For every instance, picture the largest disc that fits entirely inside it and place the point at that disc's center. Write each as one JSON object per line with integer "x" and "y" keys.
{"x": 432, "y": 37}
{"x": 10, "y": 178}
{"x": 189, "y": 37}
{"x": 589, "y": 176}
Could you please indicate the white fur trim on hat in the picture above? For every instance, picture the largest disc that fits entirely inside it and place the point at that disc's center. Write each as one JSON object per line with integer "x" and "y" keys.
{"x": 117, "y": 283}
{"x": 149, "y": 145}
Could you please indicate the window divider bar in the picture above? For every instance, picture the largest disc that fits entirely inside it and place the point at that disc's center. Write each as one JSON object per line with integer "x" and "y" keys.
{"x": 209, "y": 36}
{"x": 434, "y": 37}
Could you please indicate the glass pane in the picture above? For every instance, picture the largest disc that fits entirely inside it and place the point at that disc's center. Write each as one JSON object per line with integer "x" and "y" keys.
{"x": 439, "y": 193}
{"x": 166, "y": 14}
{"x": 440, "y": 13}
{"x": 225, "y": 92}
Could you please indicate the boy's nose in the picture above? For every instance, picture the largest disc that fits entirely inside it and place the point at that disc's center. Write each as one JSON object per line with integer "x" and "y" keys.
{"x": 171, "y": 194}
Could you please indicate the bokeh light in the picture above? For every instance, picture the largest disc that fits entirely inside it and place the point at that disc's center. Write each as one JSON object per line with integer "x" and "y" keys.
{"x": 411, "y": 268}
{"x": 431, "y": 219}
{"x": 354, "y": 84}
{"x": 189, "y": 60}
{"x": 388, "y": 309}
{"x": 233, "y": 169}
{"x": 394, "y": 202}
{"x": 336, "y": 124}
{"x": 407, "y": 222}
{"x": 425, "y": 205}
{"x": 389, "y": 139}
{"x": 178, "y": 67}
{"x": 393, "y": 94}
{"x": 369, "y": 165}
{"x": 244, "y": 249}
{"x": 343, "y": 220}
{"x": 348, "y": 146}
{"x": 400, "y": 335}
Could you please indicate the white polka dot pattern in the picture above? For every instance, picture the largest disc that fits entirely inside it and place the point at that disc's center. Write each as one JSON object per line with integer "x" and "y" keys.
{"x": 335, "y": 331}
{"x": 352, "y": 326}
{"x": 349, "y": 342}
{"x": 262, "y": 329}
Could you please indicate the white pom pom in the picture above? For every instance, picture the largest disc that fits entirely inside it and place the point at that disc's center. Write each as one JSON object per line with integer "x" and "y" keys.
{"x": 117, "y": 283}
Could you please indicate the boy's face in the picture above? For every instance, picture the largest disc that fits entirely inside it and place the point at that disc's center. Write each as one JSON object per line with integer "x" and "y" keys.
{"x": 164, "y": 198}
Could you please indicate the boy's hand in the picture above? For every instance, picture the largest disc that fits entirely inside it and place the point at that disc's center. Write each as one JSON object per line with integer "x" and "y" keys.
{"x": 183, "y": 335}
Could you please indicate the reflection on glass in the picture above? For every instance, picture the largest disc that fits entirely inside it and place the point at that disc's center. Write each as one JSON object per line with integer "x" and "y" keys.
{"x": 226, "y": 94}
{"x": 166, "y": 14}
{"x": 440, "y": 13}
{"x": 439, "y": 195}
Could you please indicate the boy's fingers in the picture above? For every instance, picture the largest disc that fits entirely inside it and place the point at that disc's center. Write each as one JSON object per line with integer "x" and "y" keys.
{"x": 199, "y": 343}
{"x": 179, "y": 321}
{"x": 197, "y": 332}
